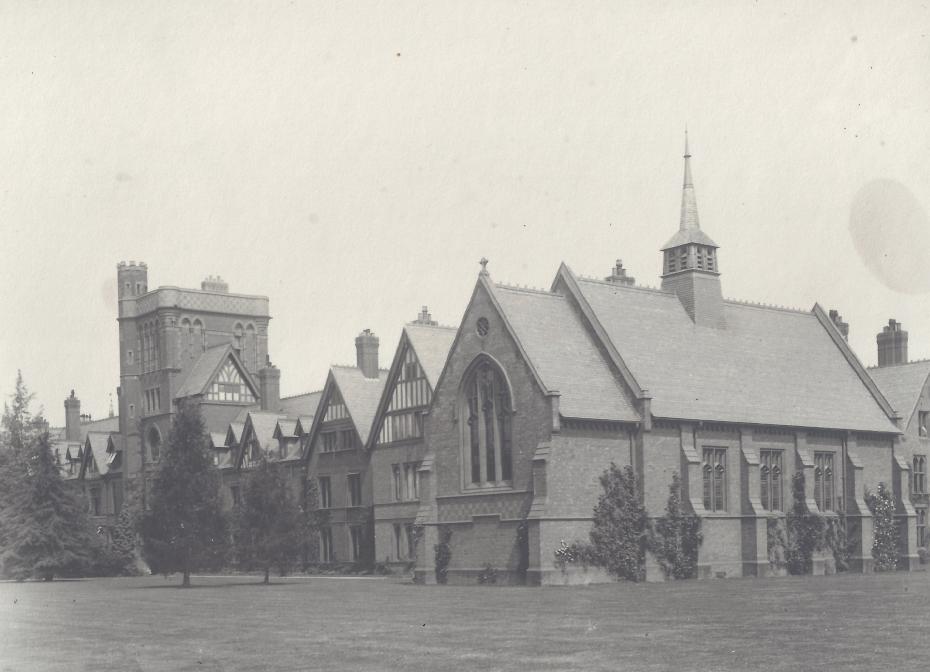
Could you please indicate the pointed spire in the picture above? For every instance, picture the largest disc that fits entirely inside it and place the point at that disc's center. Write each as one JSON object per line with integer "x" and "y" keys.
{"x": 689, "y": 213}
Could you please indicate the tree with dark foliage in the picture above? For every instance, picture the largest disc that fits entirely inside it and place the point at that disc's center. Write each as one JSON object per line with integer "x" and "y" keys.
{"x": 184, "y": 529}
{"x": 45, "y": 526}
{"x": 270, "y": 526}
{"x": 676, "y": 537}
{"x": 619, "y": 534}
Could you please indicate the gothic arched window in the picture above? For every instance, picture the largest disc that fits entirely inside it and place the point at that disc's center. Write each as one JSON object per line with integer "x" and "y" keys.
{"x": 251, "y": 348}
{"x": 486, "y": 412}
{"x": 187, "y": 336}
{"x": 200, "y": 337}
{"x": 237, "y": 339}
{"x": 153, "y": 438}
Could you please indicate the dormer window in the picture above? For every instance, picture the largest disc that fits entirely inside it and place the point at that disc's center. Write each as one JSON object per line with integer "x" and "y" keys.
{"x": 922, "y": 418}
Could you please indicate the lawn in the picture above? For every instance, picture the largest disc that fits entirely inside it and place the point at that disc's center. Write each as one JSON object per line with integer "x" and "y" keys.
{"x": 847, "y": 622}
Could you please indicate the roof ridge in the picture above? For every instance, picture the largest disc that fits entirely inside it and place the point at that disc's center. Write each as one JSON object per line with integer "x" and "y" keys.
{"x": 301, "y": 394}
{"x": 354, "y": 368}
{"x": 414, "y": 323}
{"x": 620, "y": 285}
{"x": 767, "y": 306}
{"x": 525, "y": 288}
{"x": 925, "y": 360}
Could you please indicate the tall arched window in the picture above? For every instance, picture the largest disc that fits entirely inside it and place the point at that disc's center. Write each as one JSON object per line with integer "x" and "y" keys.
{"x": 153, "y": 438}
{"x": 237, "y": 339}
{"x": 200, "y": 337}
{"x": 185, "y": 335}
{"x": 486, "y": 412}
{"x": 251, "y": 349}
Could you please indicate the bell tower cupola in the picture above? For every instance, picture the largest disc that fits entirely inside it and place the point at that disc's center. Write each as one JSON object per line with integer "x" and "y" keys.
{"x": 689, "y": 261}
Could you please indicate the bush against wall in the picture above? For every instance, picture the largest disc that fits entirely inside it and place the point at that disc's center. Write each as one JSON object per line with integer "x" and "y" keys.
{"x": 884, "y": 529}
{"x": 805, "y": 530}
{"x": 619, "y": 534}
{"x": 837, "y": 541}
{"x": 443, "y": 554}
{"x": 777, "y": 537}
{"x": 676, "y": 536}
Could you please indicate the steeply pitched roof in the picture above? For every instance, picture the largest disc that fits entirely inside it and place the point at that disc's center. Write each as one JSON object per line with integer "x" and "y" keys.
{"x": 286, "y": 428}
{"x": 689, "y": 228}
{"x": 206, "y": 366}
{"x": 565, "y": 355}
{"x": 301, "y": 404}
{"x": 235, "y": 428}
{"x": 102, "y": 425}
{"x": 218, "y": 439}
{"x": 431, "y": 343}
{"x": 769, "y": 366}
{"x": 902, "y": 385}
{"x": 96, "y": 450}
{"x": 360, "y": 394}
{"x": 261, "y": 426}
{"x": 304, "y": 424}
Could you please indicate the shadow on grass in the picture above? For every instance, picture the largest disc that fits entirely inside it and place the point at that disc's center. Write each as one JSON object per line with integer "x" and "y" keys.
{"x": 224, "y": 584}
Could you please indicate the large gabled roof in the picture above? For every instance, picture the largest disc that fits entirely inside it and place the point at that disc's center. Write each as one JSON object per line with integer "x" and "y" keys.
{"x": 565, "y": 355}
{"x": 768, "y": 366}
{"x": 902, "y": 385}
{"x": 205, "y": 368}
{"x": 431, "y": 343}
{"x": 360, "y": 394}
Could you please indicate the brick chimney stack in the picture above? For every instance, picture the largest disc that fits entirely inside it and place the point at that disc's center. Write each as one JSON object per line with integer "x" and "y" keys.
{"x": 425, "y": 318}
{"x": 841, "y": 326}
{"x": 269, "y": 386}
{"x": 892, "y": 344}
{"x": 619, "y": 275}
{"x": 214, "y": 284}
{"x": 72, "y": 418}
{"x": 366, "y": 353}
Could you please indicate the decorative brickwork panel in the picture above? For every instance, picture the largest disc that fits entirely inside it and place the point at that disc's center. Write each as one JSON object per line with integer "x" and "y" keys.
{"x": 509, "y": 507}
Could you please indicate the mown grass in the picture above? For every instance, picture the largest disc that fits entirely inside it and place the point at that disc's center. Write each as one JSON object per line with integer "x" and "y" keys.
{"x": 848, "y": 622}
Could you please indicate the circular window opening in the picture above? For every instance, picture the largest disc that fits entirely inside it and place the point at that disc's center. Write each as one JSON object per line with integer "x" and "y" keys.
{"x": 154, "y": 441}
{"x": 483, "y": 326}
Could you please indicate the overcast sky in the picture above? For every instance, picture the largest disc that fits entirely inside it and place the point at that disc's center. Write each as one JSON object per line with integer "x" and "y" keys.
{"x": 353, "y": 161}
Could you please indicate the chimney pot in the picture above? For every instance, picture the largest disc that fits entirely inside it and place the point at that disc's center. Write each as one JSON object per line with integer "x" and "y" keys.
{"x": 892, "y": 344}
{"x": 366, "y": 353}
{"x": 72, "y": 418}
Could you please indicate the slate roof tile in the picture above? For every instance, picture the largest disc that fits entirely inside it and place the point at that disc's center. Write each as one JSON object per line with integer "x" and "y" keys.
{"x": 361, "y": 395}
{"x": 565, "y": 355}
{"x": 902, "y": 385}
{"x": 768, "y": 366}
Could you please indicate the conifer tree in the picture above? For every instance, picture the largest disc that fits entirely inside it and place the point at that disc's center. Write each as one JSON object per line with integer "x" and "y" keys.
{"x": 618, "y": 536}
{"x": 184, "y": 529}
{"x": 269, "y": 523}
{"x": 676, "y": 537}
{"x": 46, "y": 528}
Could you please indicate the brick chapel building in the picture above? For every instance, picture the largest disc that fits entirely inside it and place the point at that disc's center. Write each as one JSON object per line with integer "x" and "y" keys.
{"x": 543, "y": 389}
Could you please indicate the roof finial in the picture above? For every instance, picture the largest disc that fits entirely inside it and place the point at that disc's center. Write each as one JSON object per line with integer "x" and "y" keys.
{"x": 484, "y": 266}
{"x": 687, "y": 153}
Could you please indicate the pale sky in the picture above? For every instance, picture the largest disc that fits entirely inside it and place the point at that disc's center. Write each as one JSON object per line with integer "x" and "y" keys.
{"x": 354, "y": 161}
